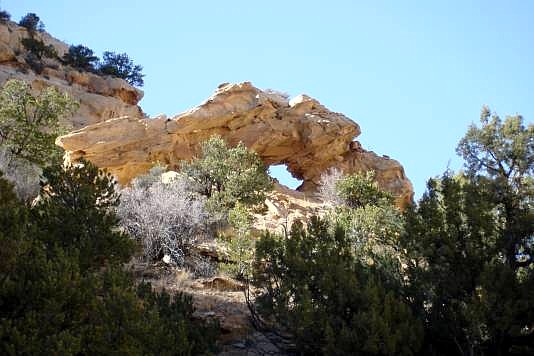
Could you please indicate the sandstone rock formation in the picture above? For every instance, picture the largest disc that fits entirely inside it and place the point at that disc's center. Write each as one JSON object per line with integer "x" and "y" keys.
{"x": 100, "y": 97}
{"x": 300, "y": 133}
{"x": 285, "y": 206}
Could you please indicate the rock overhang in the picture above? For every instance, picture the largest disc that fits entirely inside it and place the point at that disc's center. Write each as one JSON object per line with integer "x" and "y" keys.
{"x": 300, "y": 133}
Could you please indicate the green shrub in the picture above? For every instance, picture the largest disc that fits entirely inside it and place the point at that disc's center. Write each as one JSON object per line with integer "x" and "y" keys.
{"x": 4, "y": 16}
{"x": 358, "y": 190}
{"x": 312, "y": 286}
{"x": 30, "y": 124}
{"x": 81, "y": 57}
{"x": 39, "y": 48}
{"x": 77, "y": 210}
{"x": 32, "y": 22}
{"x": 63, "y": 289}
{"x": 239, "y": 244}
{"x": 469, "y": 246}
{"x": 121, "y": 66}
{"x": 228, "y": 176}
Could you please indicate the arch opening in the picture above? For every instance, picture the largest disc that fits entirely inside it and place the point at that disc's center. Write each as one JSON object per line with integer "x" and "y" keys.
{"x": 283, "y": 176}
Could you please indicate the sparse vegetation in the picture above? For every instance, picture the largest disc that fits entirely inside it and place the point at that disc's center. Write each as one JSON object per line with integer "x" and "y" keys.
{"x": 38, "y": 48}
{"x": 4, "y": 16}
{"x": 121, "y": 66}
{"x": 327, "y": 187}
{"x": 240, "y": 244}
{"x": 32, "y": 22}
{"x": 212, "y": 193}
{"x": 81, "y": 57}
{"x": 166, "y": 218}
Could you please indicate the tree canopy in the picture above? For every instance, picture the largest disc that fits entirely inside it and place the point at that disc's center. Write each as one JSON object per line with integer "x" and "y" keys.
{"x": 458, "y": 266}
{"x": 469, "y": 246}
{"x": 121, "y": 66}
{"x": 29, "y": 124}
{"x": 63, "y": 289}
{"x": 228, "y": 176}
{"x": 32, "y": 22}
{"x": 81, "y": 57}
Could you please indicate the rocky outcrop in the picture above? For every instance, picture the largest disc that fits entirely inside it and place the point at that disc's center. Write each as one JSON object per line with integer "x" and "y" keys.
{"x": 285, "y": 206}
{"x": 300, "y": 133}
{"x": 100, "y": 97}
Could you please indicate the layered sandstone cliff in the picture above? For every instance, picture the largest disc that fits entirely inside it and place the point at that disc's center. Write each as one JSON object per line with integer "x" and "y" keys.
{"x": 112, "y": 130}
{"x": 300, "y": 133}
{"x": 100, "y": 97}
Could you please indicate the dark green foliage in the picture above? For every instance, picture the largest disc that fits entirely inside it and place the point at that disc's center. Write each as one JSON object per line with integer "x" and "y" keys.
{"x": 50, "y": 302}
{"x": 30, "y": 124}
{"x": 228, "y": 176}
{"x": 76, "y": 209}
{"x": 448, "y": 240}
{"x": 121, "y": 66}
{"x": 239, "y": 244}
{"x": 462, "y": 261}
{"x": 35, "y": 63}
{"x": 132, "y": 320}
{"x": 176, "y": 325}
{"x": 81, "y": 57}
{"x": 47, "y": 304}
{"x": 34, "y": 290}
{"x": 32, "y": 22}
{"x": 501, "y": 154}
{"x": 359, "y": 190}
{"x": 372, "y": 222}
{"x": 503, "y": 151}
{"x": 13, "y": 216}
{"x": 314, "y": 287}
{"x": 469, "y": 246}
{"x": 38, "y": 48}
{"x": 472, "y": 301}
{"x": 4, "y": 16}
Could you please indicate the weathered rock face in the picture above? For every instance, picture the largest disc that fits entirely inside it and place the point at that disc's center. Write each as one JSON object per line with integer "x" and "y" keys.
{"x": 100, "y": 97}
{"x": 300, "y": 133}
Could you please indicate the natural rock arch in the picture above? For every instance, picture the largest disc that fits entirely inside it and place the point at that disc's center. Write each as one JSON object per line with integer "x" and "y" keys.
{"x": 300, "y": 133}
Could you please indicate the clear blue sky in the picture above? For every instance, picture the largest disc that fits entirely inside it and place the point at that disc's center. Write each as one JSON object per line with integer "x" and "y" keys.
{"x": 413, "y": 74}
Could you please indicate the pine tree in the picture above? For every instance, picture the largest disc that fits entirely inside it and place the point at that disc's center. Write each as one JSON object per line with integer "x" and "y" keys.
{"x": 63, "y": 289}
{"x": 314, "y": 287}
{"x": 76, "y": 209}
{"x": 469, "y": 245}
{"x": 229, "y": 175}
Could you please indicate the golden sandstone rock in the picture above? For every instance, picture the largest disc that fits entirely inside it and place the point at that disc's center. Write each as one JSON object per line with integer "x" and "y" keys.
{"x": 301, "y": 133}
{"x": 100, "y": 97}
{"x": 112, "y": 131}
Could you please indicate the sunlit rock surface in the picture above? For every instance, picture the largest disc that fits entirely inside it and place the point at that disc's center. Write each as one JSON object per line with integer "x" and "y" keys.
{"x": 100, "y": 97}
{"x": 300, "y": 133}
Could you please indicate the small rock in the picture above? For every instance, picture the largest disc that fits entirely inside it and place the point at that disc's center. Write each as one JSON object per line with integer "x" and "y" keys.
{"x": 167, "y": 259}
